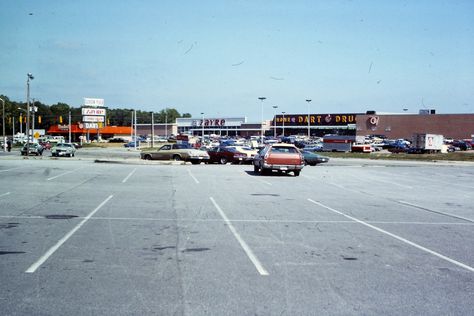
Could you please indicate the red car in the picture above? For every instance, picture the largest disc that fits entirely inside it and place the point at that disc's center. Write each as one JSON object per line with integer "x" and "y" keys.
{"x": 280, "y": 157}
{"x": 46, "y": 145}
{"x": 224, "y": 155}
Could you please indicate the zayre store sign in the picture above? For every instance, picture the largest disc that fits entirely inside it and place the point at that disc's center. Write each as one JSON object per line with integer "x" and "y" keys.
{"x": 316, "y": 119}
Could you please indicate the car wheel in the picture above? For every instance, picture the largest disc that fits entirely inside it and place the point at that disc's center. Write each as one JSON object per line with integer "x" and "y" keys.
{"x": 297, "y": 173}
{"x": 195, "y": 162}
{"x": 223, "y": 161}
{"x": 255, "y": 169}
{"x": 177, "y": 158}
{"x": 147, "y": 157}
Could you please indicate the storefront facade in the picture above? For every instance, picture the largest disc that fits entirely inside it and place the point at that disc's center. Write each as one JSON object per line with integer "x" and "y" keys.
{"x": 319, "y": 124}
{"x": 221, "y": 126}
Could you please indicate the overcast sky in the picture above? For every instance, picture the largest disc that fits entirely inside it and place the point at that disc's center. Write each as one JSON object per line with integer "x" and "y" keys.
{"x": 218, "y": 57}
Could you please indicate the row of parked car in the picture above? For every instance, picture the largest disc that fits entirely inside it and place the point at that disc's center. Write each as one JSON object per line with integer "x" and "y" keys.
{"x": 278, "y": 156}
{"x": 57, "y": 150}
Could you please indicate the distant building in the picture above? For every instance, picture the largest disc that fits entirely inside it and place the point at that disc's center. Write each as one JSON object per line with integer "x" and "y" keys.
{"x": 456, "y": 126}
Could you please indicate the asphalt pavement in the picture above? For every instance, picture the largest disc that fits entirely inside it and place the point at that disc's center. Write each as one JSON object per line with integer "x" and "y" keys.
{"x": 349, "y": 237}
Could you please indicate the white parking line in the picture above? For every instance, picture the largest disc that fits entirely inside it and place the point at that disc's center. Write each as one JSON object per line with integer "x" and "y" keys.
{"x": 433, "y": 211}
{"x": 4, "y": 194}
{"x": 192, "y": 176}
{"x": 395, "y": 183}
{"x": 129, "y": 175}
{"x": 53, "y": 249}
{"x": 242, "y": 242}
{"x": 259, "y": 221}
{"x": 62, "y": 174}
{"x": 10, "y": 169}
{"x": 460, "y": 264}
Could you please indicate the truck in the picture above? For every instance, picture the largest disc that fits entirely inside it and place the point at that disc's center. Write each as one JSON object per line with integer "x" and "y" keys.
{"x": 338, "y": 142}
{"x": 427, "y": 143}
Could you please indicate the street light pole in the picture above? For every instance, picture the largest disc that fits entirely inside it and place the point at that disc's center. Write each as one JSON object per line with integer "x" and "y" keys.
{"x": 3, "y": 125}
{"x": 283, "y": 123}
{"x": 69, "y": 126}
{"x": 30, "y": 77}
{"x": 166, "y": 123}
{"x": 33, "y": 109}
{"x": 261, "y": 119}
{"x": 274, "y": 121}
{"x": 152, "y": 130}
{"x": 202, "y": 127}
{"x": 309, "y": 132}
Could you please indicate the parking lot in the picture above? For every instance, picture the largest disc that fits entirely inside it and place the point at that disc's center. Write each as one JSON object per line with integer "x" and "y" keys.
{"x": 347, "y": 237}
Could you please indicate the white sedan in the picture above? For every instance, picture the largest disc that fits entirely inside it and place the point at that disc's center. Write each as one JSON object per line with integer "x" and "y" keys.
{"x": 63, "y": 149}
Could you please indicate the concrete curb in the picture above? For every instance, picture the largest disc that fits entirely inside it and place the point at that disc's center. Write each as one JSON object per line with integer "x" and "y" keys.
{"x": 141, "y": 162}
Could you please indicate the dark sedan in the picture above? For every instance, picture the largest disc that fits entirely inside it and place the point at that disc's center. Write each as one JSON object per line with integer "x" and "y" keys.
{"x": 33, "y": 149}
{"x": 312, "y": 159}
{"x": 224, "y": 155}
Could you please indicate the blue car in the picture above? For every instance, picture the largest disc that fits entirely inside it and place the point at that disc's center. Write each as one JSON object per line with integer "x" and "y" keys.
{"x": 312, "y": 159}
{"x": 132, "y": 144}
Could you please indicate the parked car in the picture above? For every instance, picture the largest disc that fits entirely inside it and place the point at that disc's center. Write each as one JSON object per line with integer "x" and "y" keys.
{"x": 46, "y": 145}
{"x": 249, "y": 153}
{"x": 33, "y": 149}
{"x": 224, "y": 155}
{"x": 132, "y": 144}
{"x": 280, "y": 157}
{"x": 177, "y": 152}
{"x": 462, "y": 145}
{"x": 312, "y": 159}
{"x": 63, "y": 149}
{"x": 398, "y": 148}
{"x": 314, "y": 147}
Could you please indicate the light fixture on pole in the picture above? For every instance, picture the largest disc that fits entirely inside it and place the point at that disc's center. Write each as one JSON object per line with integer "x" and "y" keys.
{"x": 274, "y": 121}
{"x": 309, "y": 131}
{"x": 30, "y": 77}
{"x": 283, "y": 133}
{"x": 3, "y": 125}
{"x": 261, "y": 119}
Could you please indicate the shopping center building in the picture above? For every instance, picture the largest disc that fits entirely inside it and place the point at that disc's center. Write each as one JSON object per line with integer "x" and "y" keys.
{"x": 390, "y": 125}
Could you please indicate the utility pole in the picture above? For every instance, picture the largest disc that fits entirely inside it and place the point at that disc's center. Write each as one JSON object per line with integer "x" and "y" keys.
{"x": 69, "y": 126}
{"x": 152, "y": 130}
{"x": 3, "y": 125}
{"x": 30, "y": 77}
{"x": 261, "y": 119}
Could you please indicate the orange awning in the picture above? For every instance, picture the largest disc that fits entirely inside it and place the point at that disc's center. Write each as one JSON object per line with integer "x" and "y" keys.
{"x": 76, "y": 129}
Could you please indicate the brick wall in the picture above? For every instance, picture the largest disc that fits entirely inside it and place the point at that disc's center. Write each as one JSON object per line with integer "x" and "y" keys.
{"x": 457, "y": 126}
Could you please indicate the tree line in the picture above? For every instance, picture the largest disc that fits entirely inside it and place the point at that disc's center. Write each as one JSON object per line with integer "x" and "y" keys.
{"x": 46, "y": 116}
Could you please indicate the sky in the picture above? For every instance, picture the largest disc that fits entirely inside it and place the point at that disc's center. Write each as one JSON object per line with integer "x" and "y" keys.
{"x": 219, "y": 57}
